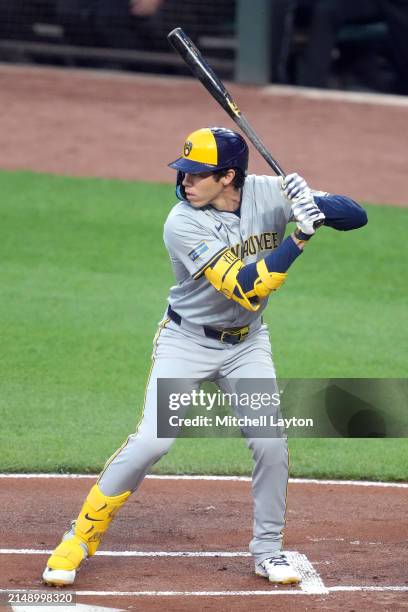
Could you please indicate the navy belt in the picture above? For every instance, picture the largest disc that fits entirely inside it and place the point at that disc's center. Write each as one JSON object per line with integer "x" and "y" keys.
{"x": 232, "y": 335}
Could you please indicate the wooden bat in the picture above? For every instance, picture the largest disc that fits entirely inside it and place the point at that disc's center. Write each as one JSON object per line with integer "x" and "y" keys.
{"x": 201, "y": 69}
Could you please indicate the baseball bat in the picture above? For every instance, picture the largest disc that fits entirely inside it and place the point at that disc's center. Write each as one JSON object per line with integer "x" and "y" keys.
{"x": 201, "y": 69}
{"x": 213, "y": 84}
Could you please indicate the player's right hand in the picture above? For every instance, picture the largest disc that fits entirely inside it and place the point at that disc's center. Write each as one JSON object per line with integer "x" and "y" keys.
{"x": 294, "y": 186}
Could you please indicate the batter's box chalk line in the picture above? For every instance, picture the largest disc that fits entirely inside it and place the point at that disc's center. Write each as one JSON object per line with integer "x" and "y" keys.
{"x": 311, "y": 581}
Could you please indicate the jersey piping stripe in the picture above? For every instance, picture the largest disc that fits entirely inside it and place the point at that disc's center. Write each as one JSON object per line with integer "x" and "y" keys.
{"x": 162, "y": 325}
{"x": 220, "y": 253}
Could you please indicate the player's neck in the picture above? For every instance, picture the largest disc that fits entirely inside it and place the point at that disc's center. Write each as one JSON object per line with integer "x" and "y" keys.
{"x": 229, "y": 201}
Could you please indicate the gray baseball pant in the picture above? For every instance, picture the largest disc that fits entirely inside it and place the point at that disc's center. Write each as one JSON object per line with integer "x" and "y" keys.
{"x": 184, "y": 352}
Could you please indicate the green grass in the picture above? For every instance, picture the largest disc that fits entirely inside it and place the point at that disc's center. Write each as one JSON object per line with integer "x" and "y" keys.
{"x": 84, "y": 278}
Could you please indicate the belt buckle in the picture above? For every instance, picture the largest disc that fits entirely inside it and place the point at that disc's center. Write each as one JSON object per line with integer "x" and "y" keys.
{"x": 236, "y": 335}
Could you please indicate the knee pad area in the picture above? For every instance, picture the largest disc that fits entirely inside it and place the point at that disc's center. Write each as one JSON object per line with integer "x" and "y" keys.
{"x": 147, "y": 449}
{"x": 269, "y": 450}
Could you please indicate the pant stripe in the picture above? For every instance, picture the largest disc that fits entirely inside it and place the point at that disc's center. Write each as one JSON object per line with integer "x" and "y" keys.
{"x": 286, "y": 502}
{"x": 162, "y": 325}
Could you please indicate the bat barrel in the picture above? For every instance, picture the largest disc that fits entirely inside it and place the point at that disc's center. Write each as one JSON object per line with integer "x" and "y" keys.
{"x": 181, "y": 43}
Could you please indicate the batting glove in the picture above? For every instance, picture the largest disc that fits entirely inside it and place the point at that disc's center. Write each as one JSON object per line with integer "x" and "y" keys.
{"x": 307, "y": 214}
{"x": 294, "y": 186}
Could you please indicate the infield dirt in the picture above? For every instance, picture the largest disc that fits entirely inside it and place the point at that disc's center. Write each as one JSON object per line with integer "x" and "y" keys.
{"x": 130, "y": 126}
{"x": 347, "y": 532}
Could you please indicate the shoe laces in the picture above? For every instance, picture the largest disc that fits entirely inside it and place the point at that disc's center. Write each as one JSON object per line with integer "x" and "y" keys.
{"x": 280, "y": 560}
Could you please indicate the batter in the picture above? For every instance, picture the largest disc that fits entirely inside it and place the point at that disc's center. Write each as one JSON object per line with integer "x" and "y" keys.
{"x": 225, "y": 239}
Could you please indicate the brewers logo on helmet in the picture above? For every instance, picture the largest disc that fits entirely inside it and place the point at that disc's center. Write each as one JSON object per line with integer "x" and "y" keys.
{"x": 188, "y": 145}
{"x": 208, "y": 150}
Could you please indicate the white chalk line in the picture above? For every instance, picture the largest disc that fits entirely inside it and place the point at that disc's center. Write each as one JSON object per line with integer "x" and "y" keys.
{"x": 335, "y": 589}
{"x": 311, "y": 584}
{"x": 359, "y": 483}
{"x": 311, "y": 581}
{"x": 132, "y": 553}
{"x": 175, "y": 593}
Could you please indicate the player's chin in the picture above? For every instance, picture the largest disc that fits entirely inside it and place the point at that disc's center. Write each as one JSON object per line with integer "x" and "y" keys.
{"x": 196, "y": 202}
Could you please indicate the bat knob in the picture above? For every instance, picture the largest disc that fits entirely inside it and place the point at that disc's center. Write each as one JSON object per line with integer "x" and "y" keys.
{"x": 317, "y": 224}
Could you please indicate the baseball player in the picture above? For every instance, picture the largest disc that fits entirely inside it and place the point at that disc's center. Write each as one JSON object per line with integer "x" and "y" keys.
{"x": 225, "y": 239}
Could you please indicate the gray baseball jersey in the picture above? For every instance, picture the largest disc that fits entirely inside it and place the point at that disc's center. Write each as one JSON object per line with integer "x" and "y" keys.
{"x": 193, "y": 238}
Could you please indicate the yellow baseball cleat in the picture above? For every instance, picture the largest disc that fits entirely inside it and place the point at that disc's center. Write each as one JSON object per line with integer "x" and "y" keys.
{"x": 84, "y": 537}
{"x": 65, "y": 560}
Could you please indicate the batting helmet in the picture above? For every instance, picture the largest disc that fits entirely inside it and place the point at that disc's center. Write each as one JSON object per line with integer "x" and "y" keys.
{"x": 208, "y": 150}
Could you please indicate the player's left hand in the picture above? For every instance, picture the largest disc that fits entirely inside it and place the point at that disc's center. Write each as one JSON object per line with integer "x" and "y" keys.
{"x": 304, "y": 209}
{"x": 307, "y": 214}
{"x": 294, "y": 186}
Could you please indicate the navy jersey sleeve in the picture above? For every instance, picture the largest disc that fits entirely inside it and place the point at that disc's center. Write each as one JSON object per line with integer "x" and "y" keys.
{"x": 279, "y": 260}
{"x": 342, "y": 213}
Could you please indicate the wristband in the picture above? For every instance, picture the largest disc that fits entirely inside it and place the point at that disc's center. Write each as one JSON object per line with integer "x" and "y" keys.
{"x": 301, "y": 235}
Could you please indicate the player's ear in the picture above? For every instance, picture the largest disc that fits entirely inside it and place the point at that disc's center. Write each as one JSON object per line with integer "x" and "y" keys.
{"x": 228, "y": 178}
